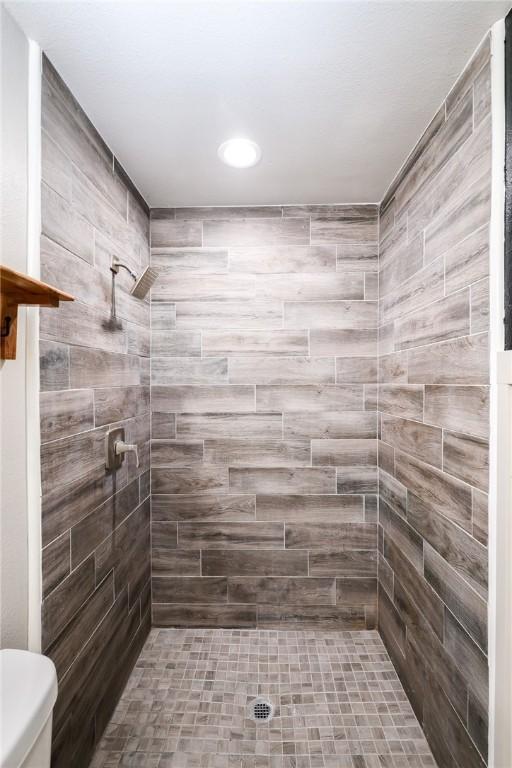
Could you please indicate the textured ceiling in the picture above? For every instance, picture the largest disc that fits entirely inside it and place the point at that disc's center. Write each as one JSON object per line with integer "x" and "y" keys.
{"x": 335, "y": 93}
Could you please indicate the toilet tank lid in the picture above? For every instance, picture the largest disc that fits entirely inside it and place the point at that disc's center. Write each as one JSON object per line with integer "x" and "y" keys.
{"x": 28, "y": 689}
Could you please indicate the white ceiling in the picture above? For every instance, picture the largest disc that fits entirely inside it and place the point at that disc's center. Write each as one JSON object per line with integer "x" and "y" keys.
{"x": 336, "y": 93}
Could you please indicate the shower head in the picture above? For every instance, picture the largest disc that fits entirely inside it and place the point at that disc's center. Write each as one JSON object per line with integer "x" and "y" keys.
{"x": 143, "y": 283}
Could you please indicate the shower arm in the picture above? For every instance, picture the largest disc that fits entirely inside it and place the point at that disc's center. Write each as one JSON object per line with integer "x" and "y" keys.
{"x": 116, "y": 264}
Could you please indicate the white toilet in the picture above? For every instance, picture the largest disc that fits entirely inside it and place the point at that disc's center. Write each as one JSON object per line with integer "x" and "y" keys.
{"x": 28, "y": 690}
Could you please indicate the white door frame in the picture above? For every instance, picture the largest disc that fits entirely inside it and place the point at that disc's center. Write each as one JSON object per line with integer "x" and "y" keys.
{"x": 500, "y": 458}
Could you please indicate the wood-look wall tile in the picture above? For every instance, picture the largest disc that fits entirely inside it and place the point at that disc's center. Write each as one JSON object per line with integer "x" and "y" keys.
{"x": 200, "y": 479}
{"x": 187, "y": 287}
{"x": 186, "y": 370}
{"x": 56, "y": 562}
{"x": 81, "y": 325}
{"x": 281, "y": 370}
{"x": 169, "y": 261}
{"x": 167, "y": 232}
{"x": 400, "y": 265}
{"x": 71, "y": 458}
{"x": 276, "y": 480}
{"x": 356, "y": 370}
{"x": 205, "y": 315}
{"x": 414, "y": 438}
{"x": 393, "y": 368}
{"x": 175, "y": 562}
{"x": 480, "y": 306}
{"x": 189, "y": 589}
{"x": 465, "y": 604}
{"x": 334, "y": 424}
{"x": 468, "y": 215}
{"x": 357, "y": 563}
{"x": 91, "y": 530}
{"x": 229, "y": 562}
{"x": 163, "y": 426}
{"x": 117, "y": 403}
{"x": 276, "y": 591}
{"x": 467, "y": 458}
{"x": 255, "y": 343}
{"x": 99, "y": 368}
{"x": 356, "y": 479}
{"x": 205, "y": 213}
{"x": 163, "y": 316}
{"x": 258, "y": 452}
{"x": 451, "y": 362}
{"x": 458, "y": 408}
{"x": 420, "y": 290}
{"x": 321, "y": 287}
{"x": 294, "y": 617}
{"x": 53, "y": 366}
{"x": 458, "y": 548}
{"x": 467, "y": 262}
{"x": 356, "y": 591}
{"x": 55, "y": 167}
{"x": 176, "y": 453}
{"x": 348, "y": 224}
{"x": 218, "y": 507}
{"x": 65, "y": 413}
{"x": 61, "y": 223}
{"x": 439, "y": 491}
{"x": 392, "y": 492}
{"x": 59, "y": 607}
{"x": 282, "y": 259}
{"x": 405, "y": 400}
{"x": 216, "y": 535}
{"x": 471, "y": 661}
{"x": 402, "y": 535}
{"x": 303, "y": 508}
{"x": 197, "y": 616}
{"x": 445, "y": 319}
{"x": 344, "y": 453}
{"x": 386, "y": 458}
{"x": 326, "y": 536}
{"x": 244, "y": 232}
{"x": 176, "y": 343}
{"x": 223, "y": 425}
{"x": 331, "y": 314}
{"x": 344, "y": 342}
{"x": 480, "y": 516}
{"x": 357, "y": 256}
{"x": 190, "y": 398}
{"x": 67, "y": 647}
{"x": 306, "y": 397}
{"x": 371, "y": 286}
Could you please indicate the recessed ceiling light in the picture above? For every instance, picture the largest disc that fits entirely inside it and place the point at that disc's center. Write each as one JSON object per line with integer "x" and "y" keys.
{"x": 239, "y": 153}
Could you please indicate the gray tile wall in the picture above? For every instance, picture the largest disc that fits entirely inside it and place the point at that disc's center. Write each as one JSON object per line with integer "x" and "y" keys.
{"x": 95, "y": 525}
{"x": 264, "y": 426}
{"x": 434, "y": 421}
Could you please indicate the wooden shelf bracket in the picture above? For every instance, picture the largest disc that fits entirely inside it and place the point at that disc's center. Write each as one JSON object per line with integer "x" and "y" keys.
{"x": 18, "y": 289}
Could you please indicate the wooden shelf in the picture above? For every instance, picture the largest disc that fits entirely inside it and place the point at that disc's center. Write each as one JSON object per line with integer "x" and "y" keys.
{"x": 17, "y": 289}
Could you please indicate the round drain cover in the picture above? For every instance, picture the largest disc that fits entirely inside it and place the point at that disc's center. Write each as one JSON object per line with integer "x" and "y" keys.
{"x": 261, "y": 710}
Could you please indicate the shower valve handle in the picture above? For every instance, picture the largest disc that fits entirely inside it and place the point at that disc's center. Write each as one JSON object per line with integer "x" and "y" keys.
{"x": 121, "y": 447}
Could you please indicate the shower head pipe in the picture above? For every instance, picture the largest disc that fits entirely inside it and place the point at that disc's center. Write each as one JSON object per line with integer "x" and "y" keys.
{"x": 143, "y": 282}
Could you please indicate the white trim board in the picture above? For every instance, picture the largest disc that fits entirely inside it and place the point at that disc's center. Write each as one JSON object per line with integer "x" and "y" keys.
{"x": 500, "y": 455}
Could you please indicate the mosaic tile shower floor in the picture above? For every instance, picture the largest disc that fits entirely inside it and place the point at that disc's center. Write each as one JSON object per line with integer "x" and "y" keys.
{"x": 338, "y": 704}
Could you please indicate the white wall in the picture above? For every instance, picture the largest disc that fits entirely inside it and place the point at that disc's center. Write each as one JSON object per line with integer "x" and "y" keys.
{"x": 19, "y": 578}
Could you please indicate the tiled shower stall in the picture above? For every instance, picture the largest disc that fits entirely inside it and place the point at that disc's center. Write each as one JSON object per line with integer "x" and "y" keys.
{"x": 307, "y": 388}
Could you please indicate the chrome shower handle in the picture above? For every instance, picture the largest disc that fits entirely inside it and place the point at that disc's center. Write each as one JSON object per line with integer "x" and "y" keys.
{"x": 120, "y": 447}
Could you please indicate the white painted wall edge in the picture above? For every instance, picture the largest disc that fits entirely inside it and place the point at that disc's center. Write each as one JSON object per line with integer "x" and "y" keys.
{"x": 500, "y": 454}
{"x": 33, "y": 440}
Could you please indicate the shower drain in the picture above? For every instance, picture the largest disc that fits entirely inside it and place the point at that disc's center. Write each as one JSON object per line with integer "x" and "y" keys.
{"x": 261, "y": 710}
